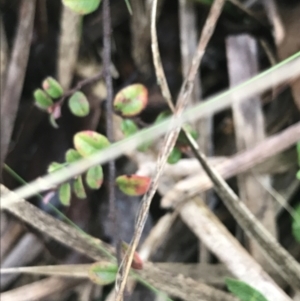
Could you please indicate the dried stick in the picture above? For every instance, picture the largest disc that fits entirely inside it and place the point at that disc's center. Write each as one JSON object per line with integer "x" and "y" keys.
{"x": 217, "y": 238}
{"x": 16, "y": 74}
{"x": 188, "y": 46}
{"x": 286, "y": 265}
{"x": 249, "y": 131}
{"x": 171, "y": 138}
{"x": 69, "y": 41}
{"x": 3, "y": 55}
{"x": 236, "y": 164}
{"x": 100, "y": 251}
{"x": 39, "y": 290}
{"x": 285, "y": 70}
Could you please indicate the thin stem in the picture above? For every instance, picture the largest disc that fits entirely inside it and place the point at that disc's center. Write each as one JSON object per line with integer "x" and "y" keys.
{"x": 109, "y": 119}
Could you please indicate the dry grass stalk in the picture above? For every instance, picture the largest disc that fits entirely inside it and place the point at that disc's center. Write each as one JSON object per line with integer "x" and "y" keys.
{"x": 171, "y": 138}
{"x": 249, "y": 131}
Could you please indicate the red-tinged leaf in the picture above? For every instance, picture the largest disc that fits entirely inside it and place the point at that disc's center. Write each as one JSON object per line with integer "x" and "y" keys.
{"x": 79, "y": 188}
{"x": 82, "y": 7}
{"x": 103, "y": 273}
{"x": 133, "y": 184}
{"x": 42, "y": 100}
{"x": 79, "y": 105}
{"x": 55, "y": 110}
{"x": 94, "y": 177}
{"x": 65, "y": 194}
{"x": 72, "y": 155}
{"x": 52, "y": 87}
{"x": 175, "y": 156}
{"x": 137, "y": 262}
{"x": 88, "y": 142}
{"x": 48, "y": 196}
{"x": 131, "y": 100}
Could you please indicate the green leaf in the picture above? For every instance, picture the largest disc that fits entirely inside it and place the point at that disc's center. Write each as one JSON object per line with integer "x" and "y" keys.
{"x": 144, "y": 147}
{"x": 103, "y": 273}
{"x": 298, "y": 175}
{"x": 298, "y": 152}
{"x": 162, "y": 116}
{"x": 79, "y": 188}
{"x": 72, "y": 155}
{"x": 94, "y": 177}
{"x": 53, "y": 122}
{"x": 133, "y": 184}
{"x": 82, "y": 7}
{"x": 175, "y": 156}
{"x": 88, "y": 143}
{"x": 131, "y": 100}
{"x": 182, "y": 139}
{"x": 79, "y": 105}
{"x": 54, "y": 166}
{"x": 52, "y": 87}
{"x": 128, "y": 127}
{"x": 65, "y": 194}
{"x": 244, "y": 291}
{"x": 42, "y": 100}
{"x": 296, "y": 224}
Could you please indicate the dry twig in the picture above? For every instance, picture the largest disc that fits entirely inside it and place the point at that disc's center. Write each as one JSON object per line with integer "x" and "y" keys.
{"x": 238, "y": 261}
{"x": 238, "y": 163}
{"x": 171, "y": 137}
{"x": 93, "y": 248}
{"x": 16, "y": 74}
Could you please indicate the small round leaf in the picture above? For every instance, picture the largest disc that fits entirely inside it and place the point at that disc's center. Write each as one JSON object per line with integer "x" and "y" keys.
{"x": 174, "y": 156}
{"x": 88, "y": 142}
{"x": 52, "y": 87}
{"x": 42, "y": 100}
{"x": 131, "y": 100}
{"x": 82, "y": 7}
{"x": 65, "y": 194}
{"x": 79, "y": 105}
{"x": 54, "y": 166}
{"x": 128, "y": 127}
{"x": 162, "y": 116}
{"x": 94, "y": 177}
{"x": 133, "y": 185}
{"x": 72, "y": 155}
{"x": 103, "y": 273}
{"x": 79, "y": 188}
